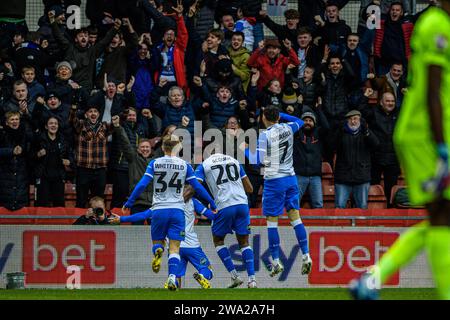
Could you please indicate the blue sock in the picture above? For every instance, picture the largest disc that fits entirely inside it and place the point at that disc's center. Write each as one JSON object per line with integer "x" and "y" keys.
{"x": 274, "y": 242}
{"x": 300, "y": 233}
{"x": 224, "y": 255}
{"x": 206, "y": 272}
{"x": 174, "y": 261}
{"x": 156, "y": 246}
{"x": 249, "y": 260}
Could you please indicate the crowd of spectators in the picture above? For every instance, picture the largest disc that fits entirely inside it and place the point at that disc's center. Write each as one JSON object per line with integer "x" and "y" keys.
{"x": 89, "y": 105}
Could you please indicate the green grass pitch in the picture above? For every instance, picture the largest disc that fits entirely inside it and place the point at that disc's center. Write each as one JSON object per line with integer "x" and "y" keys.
{"x": 210, "y": 294}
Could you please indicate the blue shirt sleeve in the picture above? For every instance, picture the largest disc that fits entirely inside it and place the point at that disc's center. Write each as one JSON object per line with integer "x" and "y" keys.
{"x": 142, "y": 184}
{"x": 294, "y": 122}
{"x": 242, "y": 172}
{"x": 200, "y": 173}
{"x": 201, "y": 209}
{"x": 190, "y": 173}
{"x": 140, "y": 216}
{"x": 150, "y": 169}
{"x": 239, "y": 26}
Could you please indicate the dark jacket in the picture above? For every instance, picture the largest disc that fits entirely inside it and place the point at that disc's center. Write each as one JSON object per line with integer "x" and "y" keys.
{"x": 160, "y": 22}
{"x": 13, "y": 105}
{"x": 263, "y": 98}
{"x": 14, "y": 173}
{"x": 84, "y": 58}
{"x": 353, "y": 151}
{"x": 310, "y": 8}
{"x": 226, "y": 7}
{"x": 218, "y": 111}
{"x": 313, "y": 58}
{"x": 233, "y": 82}
{"x": 118, "y": 103}
{"x": 308, "y": 147}
{"x": 335, "y": 34}
{"x": 171, "y": 115}
{"x": 251, "y": 8}
{"x": 45, "y": 30}
{"x": 67, "y": 94}
{"x": 358, "y": 60}
{"x": 82, "y": 220}
{"x": 204, "y": 20}
{"x": 310, "y": 92}
{"x": 337, "y": 88}
{"x": 31, "y": 54}
{"x": 282, "y": 31}
{"x": 392, "y": 41}
{"x": 115, "y": 61}
{"x": 382, "y": 126}
{"x": 41, "y": 113}
{"x": 35, "y": 89}
{"x": 63, "y": 151}
{"x": 13, "y": 9}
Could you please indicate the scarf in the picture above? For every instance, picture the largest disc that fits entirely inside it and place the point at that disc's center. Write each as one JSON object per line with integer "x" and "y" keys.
{"x": 350, "y": 130}
{"x": 167, "y": 61}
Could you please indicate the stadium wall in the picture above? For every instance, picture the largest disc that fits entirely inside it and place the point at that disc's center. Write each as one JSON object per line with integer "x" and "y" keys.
{"x": 120, "y": 257}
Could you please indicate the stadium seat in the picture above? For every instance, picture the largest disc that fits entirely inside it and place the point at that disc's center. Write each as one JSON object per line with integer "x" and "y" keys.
{"x": 328, "y": 196}
{"x": 377, "y": 199}
{"x": 327, "y": 174}
{"x": 70, "y": 195}
{"x": 393, "y": 192}
{"x": 108, "y": 195}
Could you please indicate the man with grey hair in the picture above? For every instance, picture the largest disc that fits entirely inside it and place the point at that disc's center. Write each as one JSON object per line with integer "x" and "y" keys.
{"x": 177, "y": 110}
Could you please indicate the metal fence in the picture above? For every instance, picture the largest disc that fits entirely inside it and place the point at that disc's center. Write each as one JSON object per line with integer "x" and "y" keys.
{"x": 350, "y": 13}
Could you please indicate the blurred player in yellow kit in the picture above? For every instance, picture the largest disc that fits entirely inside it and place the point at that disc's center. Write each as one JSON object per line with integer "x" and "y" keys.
{"x": 421, "y": 139}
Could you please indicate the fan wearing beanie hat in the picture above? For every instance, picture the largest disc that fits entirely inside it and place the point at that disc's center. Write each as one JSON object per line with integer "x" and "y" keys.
{"x": 308, "y": 155}
{"x": 64, "y": 70}
{"x": 64, "y": 64}
{"x": 52, "y": 99}
{"x": 310, "y": 115}
{"x": 289, "y": 96}
{"x": 290, "y": 102}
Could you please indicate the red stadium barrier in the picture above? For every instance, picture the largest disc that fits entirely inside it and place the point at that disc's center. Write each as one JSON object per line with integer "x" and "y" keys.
{"x": 311, "y": 217}
{"x": 43, "y": 215}
{"x": 349, "y": 217}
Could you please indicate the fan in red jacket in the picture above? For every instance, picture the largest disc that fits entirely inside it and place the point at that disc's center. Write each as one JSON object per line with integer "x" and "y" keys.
{"x": 271, "y": 63}
{"x": 172, "y": 51}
